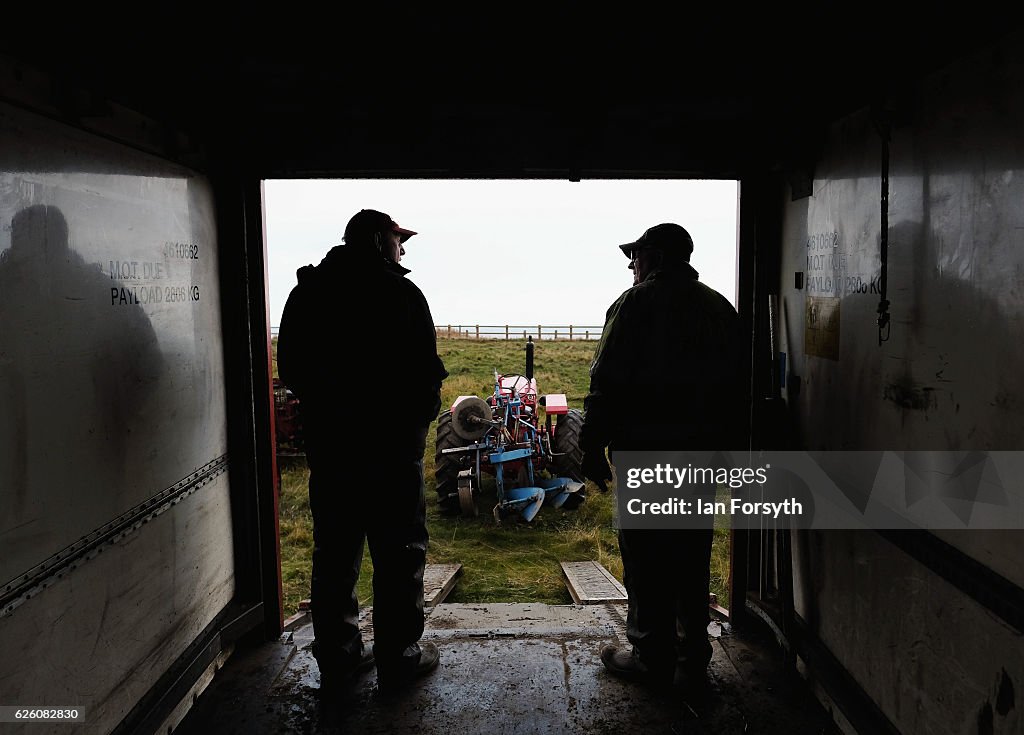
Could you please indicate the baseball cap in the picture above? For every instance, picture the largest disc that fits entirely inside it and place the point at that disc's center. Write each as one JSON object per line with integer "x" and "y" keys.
{"x": 366, "y": 222}
{"x": 405, "y": 234}
{"x": 667, "y": 237}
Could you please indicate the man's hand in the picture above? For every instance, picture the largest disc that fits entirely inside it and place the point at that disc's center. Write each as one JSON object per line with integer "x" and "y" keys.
{"x": 596, "y": 469}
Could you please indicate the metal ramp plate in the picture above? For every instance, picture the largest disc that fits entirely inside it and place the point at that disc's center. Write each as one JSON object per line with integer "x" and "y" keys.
{"x": 590, "y": 583}
{"x": 438, "y": 581}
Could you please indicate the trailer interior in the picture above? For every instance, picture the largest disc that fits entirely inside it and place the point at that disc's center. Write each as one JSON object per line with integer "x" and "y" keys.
{"x": 138, "y": 526}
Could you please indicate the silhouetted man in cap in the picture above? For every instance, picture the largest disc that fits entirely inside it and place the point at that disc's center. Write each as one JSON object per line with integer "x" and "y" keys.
{"x": 357, "y": 347}
{"x": 664, "y": 378}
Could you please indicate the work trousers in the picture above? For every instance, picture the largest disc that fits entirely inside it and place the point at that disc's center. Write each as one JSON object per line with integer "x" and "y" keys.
{"x": 381, "y": 505}
{"x": 667, "y": 574}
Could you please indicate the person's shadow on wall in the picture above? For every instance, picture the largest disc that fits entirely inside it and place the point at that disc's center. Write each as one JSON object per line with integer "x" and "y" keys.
{"x": 76, "y": 368}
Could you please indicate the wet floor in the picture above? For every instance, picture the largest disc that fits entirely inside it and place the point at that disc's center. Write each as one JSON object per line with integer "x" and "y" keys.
{"x": 510, "y": 668}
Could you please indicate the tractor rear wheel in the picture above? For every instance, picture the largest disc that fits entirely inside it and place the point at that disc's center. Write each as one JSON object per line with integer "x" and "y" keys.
{"x": 566, "y": 443}
{"x": 446, "y": 466}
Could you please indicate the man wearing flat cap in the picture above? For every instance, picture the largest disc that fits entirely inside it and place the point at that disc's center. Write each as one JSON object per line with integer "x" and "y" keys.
{"x": 665, "y": 377}
{"x": 357, "y": 347}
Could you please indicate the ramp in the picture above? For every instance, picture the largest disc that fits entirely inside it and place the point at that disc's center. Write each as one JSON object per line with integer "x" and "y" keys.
{"x": 438, "y": 581}
{"x": 590, "y": 583}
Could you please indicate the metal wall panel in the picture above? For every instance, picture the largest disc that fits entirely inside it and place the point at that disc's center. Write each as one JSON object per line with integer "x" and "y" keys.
{"x": 115, "y": 525}
{"x": 933, "y": 660}
{"x": 949, "y": 377}
{"x": 100, "y": 637}
{"x": 111, "y": 377}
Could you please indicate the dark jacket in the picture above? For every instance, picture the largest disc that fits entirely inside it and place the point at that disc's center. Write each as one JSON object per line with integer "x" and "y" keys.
{"x": 357, "y": 347}
{"x": 666, "y": 371}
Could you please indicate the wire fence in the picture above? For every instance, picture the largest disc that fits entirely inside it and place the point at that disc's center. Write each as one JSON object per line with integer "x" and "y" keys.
{"x": 511, "y": 331}
{"x": 518, "y": 331}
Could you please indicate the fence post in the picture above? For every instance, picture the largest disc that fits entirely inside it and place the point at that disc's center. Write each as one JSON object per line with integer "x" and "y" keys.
{"x": 478, "y": 331}
{"x": 449, "y": 331}
{"x": 506, "y": 333}
{"x": 538, "y": 332}
{"x": 588, "y": 334}
{"x": 570, "y": 332}
{"x": 556, "y": 333}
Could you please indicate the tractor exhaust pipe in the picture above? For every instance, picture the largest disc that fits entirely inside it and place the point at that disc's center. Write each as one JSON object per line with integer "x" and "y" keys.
{"x": 529, "y": 358}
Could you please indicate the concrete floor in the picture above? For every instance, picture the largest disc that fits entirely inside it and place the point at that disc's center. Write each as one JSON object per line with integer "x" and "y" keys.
{"x": 510, "y": 668}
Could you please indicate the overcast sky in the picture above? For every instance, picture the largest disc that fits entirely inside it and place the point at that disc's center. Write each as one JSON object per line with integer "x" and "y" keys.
{"x": 506, "y": 252}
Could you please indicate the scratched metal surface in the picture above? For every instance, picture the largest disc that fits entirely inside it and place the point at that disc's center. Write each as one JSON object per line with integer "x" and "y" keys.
{"x": 111, "y": 391}
{"x": 948, "y": 377}
{"x": 111, "y": 372}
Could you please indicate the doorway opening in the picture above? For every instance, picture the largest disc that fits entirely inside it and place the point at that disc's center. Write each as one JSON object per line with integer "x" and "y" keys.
{"x": 502, "y": 263}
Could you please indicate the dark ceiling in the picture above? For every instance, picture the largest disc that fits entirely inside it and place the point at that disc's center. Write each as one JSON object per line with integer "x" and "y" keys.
{"x": 564, "y": 93}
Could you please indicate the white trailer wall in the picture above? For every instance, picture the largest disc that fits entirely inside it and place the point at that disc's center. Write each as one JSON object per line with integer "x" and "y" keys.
{"x": 115, "y": 521}
{"x": 951, "y": 377}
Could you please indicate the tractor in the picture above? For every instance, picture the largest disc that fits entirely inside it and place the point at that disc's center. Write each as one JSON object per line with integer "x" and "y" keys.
{"x": 287, "y": 425}
{"x": 502, "y": 436}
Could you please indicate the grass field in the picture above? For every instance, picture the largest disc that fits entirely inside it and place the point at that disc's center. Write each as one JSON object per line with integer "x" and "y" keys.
{"x": 514, "y": 562}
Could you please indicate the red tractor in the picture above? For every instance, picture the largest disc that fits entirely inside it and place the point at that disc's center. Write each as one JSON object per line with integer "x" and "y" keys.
{"x": 287, "y": 426}
{"x": 503, "y": 436}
